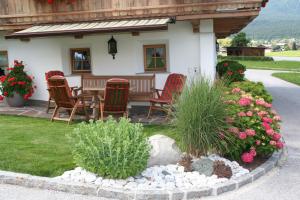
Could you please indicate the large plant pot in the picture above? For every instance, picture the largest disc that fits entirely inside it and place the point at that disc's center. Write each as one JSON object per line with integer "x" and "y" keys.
{"x": 16, "y": 100}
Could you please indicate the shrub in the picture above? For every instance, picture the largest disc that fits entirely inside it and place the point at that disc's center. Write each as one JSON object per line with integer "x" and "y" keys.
{"x": 200, "y": 117}
{"x": 257, "y": 90}
{"x": 18, "y": 81}
{"x": 246, "y": 58}
{"x": 111, "y": 149}
{"x": 254, "y": 125}
{"x": 231, "y": 70}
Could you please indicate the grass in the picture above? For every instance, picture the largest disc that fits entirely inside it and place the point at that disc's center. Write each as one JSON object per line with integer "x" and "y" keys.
{"x": 39, "y": 147}
{"x": 272, "y": 65}
{"x": 290, "y": 77}
{"x": 285, "y": 53}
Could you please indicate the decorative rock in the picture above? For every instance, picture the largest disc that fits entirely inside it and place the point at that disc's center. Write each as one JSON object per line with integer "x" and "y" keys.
{"x": 164, "y": 151}
{"x": 222, "y": 170}
{"x": 203, "y": 166}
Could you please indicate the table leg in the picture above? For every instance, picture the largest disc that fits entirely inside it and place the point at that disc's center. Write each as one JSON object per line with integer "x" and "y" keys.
{"x": 95, "y": 106}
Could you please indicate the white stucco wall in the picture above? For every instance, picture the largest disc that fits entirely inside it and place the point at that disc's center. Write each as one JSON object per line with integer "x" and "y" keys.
{"x": 186, "y": 52}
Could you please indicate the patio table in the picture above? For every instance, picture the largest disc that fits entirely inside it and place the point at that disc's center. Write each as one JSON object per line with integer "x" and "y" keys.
{"x": 96, "y": 93}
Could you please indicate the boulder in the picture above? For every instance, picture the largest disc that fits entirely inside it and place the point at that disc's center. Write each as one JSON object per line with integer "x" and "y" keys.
{"x": 203, "y": 166}
{"x": 164, "y": 151}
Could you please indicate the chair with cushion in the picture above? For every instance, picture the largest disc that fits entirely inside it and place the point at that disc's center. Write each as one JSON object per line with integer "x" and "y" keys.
{"x": 165, "y": 98}
{"x": 115, "y": 98}
{"x": 64, "y": 98}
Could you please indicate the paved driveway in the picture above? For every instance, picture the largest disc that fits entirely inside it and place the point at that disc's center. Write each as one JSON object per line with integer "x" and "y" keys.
{"x": 280, "y": 184}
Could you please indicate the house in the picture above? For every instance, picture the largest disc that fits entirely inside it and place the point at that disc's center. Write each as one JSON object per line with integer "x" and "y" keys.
{"x": 150, "y": 36}
{"x": 246, "y": 51}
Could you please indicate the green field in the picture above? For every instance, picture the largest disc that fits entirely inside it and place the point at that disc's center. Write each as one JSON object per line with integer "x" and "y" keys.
{"x": 285, "y": 53}
{"x": 272, "y": 65}
{"x": 39, "y": 147}
{"x": 290, "y": 77}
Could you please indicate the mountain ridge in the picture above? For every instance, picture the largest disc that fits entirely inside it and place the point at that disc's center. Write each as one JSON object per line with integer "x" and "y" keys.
{"x": 280, "y": 19}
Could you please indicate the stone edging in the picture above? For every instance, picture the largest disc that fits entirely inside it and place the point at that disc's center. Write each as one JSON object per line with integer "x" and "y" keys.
{"x": 25, "y": 180}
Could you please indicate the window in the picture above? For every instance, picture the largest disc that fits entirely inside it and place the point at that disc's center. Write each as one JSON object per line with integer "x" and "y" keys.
{"x": 81, "y": 60}
{"x": 155, "y": 57}
{"x": 3, "y": 59}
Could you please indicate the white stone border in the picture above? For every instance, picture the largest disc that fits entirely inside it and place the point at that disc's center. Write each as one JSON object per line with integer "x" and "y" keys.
{"x": 30, "y": 181}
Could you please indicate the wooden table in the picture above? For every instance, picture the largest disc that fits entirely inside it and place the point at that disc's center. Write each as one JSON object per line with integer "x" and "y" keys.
{"x": 95, "y": 93}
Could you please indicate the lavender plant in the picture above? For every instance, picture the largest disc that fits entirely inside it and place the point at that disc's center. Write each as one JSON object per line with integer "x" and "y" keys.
{"x": 111, "y": 149}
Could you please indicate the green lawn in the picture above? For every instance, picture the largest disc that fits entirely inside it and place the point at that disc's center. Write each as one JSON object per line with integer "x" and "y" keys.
{"x": 290, "y": 77}
{"x": 285, "y": 53}
{"x": 39, "y": 147}
{"x": 274, "y": 65}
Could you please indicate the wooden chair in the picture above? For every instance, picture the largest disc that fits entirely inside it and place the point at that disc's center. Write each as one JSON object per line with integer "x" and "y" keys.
{"x": 164, "y": 98}
{"x": 64, "y": 98}
{"x": 50, "y": 99}
{"x": 115, "y": 98}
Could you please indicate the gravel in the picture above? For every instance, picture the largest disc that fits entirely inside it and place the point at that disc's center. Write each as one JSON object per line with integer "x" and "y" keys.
{"x": 157, "y": 177}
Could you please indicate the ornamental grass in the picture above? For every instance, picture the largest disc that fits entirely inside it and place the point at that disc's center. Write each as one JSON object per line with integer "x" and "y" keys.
{"x": 200, "y": 117}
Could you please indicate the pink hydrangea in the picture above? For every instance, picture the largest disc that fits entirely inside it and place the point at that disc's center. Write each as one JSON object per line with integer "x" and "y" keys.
{"x": 257, "y": 142}
{"x": 277, "y": 118}
{"x": 249, "y": 113}
{"x": 266, "y": 125}
{"x": 245, "y": 101}
{"x": 253, "y": 152}
{"x": 270, "y": 132}
{"x": 242, "y": 114}
{"x": 273, "y": 143}
{"x": 222, "y": 135}
{"x": 247, "y": 157}
{"x": 279, "y": 145}
{"x": 236, "y": 90}
{"x": 267, "y": 119}
{"x": 268, "y": 105}
{"x": 260, "y": 102}
{"x": 243, "y": 135}
{"x": 276, "y": 136}
{"x": 234, "y": 130}
{"x": 261, "y": 114}
{"x": 250, "y": 132}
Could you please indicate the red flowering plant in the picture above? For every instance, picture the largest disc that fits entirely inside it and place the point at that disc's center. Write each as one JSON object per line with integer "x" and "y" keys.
{"x": 16, "y": 81}
{"x": 254, "y": 125}
{"x": 231, "y": 70}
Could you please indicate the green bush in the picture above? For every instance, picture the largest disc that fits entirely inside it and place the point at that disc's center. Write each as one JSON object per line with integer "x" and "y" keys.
{"x": 111, "y": 149}
{"x": 256, "y": 89}
{"x": 200, "y": 117}
{"x": 231, "y": 70}
{"x": 246, "y": 58}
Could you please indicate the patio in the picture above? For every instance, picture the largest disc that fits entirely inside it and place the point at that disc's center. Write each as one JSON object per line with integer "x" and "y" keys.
{"x": 136, "y": 113}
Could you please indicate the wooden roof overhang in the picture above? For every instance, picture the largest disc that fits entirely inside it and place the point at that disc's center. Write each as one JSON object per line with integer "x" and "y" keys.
{"x": 229, "y": 16}
{"x": 87, "y": 28}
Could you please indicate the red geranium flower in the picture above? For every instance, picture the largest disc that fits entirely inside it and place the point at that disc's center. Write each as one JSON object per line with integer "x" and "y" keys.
{"x": 1, "y": 98}
{"x": 5, "y": 94}
{"x": 225, "y": 64}
{"x": 230, "y": 73}
{"x": 11, "y": 79}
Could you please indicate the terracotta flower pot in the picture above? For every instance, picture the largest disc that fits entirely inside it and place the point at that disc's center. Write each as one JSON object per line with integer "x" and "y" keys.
{"x": 16, "y": 100}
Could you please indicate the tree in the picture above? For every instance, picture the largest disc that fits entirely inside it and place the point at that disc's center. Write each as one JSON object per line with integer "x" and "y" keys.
{"x": 225, "y": 42}
{"x": 294, "y": 46}
{"x": 240, "y": 40}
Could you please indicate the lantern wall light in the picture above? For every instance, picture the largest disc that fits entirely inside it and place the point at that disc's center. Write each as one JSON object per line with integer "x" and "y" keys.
{"x": 112, "y": 47}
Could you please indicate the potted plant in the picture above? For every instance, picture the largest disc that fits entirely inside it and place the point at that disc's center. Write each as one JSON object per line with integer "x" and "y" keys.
{"x": 17, "y": 87}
